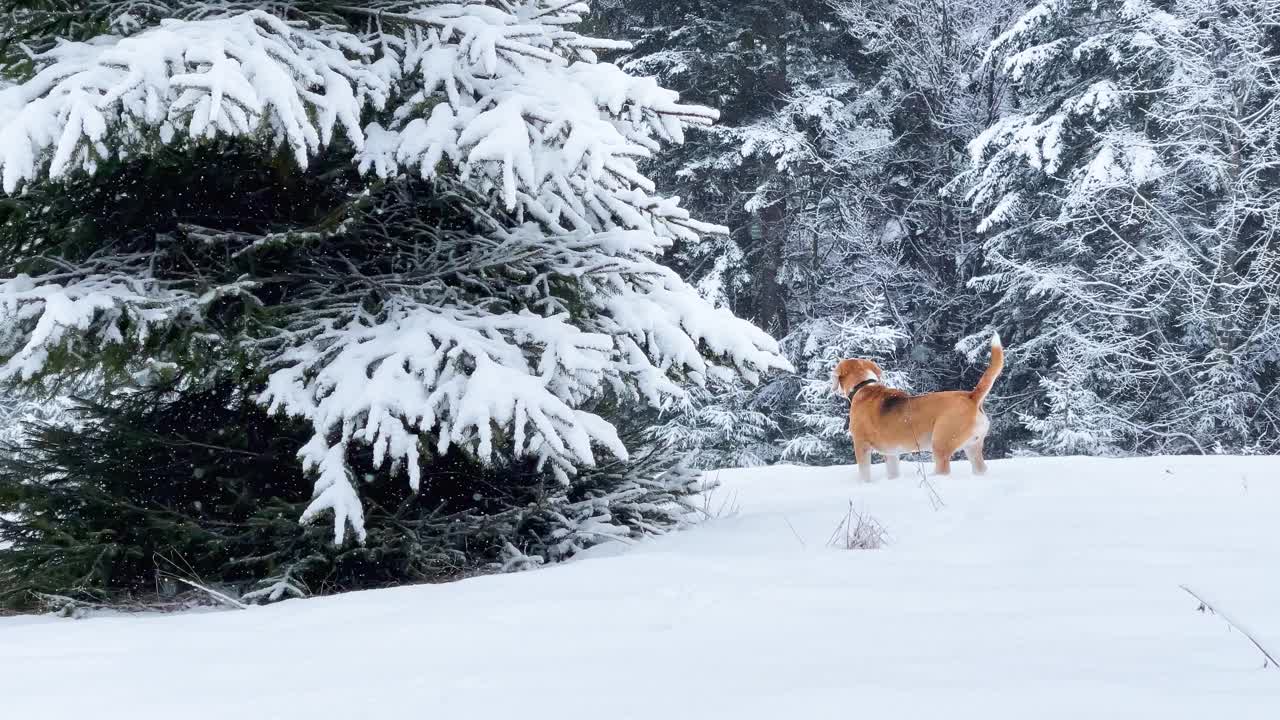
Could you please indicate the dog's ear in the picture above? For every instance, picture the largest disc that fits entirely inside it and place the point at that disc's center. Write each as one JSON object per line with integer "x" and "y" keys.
{"x": 878, "y": 371}
{"x": 836, "y": 374}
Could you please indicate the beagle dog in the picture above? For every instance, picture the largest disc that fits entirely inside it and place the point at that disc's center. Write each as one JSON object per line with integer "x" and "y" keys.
{"x": 892, "y": 422}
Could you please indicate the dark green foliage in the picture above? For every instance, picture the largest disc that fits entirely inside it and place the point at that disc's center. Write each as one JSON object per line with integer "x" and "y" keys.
{"x": 154, "y": 481}
{"x": 171, "y": 465}
{"x": 157, "y": 213}
{"x": 205, "y": 219}
{"x": 205, "y": 486}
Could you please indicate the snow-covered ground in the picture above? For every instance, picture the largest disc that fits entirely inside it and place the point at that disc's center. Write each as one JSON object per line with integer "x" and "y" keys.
{"x": 1048, "y": 589}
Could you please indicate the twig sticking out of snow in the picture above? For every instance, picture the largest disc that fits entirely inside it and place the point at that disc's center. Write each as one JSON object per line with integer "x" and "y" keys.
{"x": 858, "y": 532}
{"x": 935, "y": 499}
{"x": 63, "y": 606}
{"x": 793, "y": 531}
{"x": 728, "y": 504}
{"x": 1269, "y": 660}
{"x": 78, "y": 608}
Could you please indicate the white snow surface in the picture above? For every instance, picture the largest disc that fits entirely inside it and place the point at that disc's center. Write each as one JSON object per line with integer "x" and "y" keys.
{"x": 1047, "y": 589}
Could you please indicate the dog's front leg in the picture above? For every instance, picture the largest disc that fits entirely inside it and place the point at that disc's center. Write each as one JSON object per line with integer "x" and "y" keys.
{"x": 862, "y": 451}
{"x": 891, "y": 464}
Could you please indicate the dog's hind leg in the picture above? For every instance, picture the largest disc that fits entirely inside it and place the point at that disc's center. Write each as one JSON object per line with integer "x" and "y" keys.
{"x": 942, "y": 459}
{"x": 973, "y": 451}
{"x": 942, "y": 452}
{"x": 950, "y": 433}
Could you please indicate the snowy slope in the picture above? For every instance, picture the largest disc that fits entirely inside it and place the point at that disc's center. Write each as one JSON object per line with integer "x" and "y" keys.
{"x": 1048, "y": 589}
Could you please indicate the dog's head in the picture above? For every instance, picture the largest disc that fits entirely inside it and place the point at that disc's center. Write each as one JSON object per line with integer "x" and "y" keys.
{"x": 851, "y": 372}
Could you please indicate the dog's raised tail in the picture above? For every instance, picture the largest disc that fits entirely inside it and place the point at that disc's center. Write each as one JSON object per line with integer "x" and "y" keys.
{"x": 993, "y": 371}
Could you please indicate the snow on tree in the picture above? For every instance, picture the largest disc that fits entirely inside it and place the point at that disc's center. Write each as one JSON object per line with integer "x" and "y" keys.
{"x": 782, "y": 74}
{"x": 720, "y": 427}
{"x": 1077, "y": 422}
{"x": 1127, "y": 206}
{"x": 496, "y": 334}
{"x": 820, "y": 415}
{"x": 1115, "y": 224}
{"x": 796, "y": 134}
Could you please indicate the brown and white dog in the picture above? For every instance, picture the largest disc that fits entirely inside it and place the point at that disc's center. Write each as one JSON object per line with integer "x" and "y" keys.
{"x": 892, "y": 422}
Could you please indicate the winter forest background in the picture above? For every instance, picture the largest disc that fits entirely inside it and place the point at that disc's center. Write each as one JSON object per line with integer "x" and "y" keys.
{"x": 467, "y": 287}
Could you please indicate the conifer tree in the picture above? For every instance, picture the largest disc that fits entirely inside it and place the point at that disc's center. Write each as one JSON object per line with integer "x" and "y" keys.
{"x": 418, "y": 228}
{"x": 1125, "y": 203}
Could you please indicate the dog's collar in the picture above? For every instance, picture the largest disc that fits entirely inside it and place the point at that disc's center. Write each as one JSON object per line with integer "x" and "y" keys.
{"x": 858, "y": 387}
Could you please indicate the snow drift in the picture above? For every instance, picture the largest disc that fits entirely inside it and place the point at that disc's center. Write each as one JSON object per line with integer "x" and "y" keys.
{"x": 1047, "y": 589}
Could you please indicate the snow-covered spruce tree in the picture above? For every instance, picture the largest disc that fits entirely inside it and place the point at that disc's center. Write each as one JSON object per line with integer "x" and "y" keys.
{"x": 791, "y": 83}
{"x": 783, "y": 76}
{"x": 156, "y": 483}
{"x": 432, "y": 239}
{"x": 722, "y": 426}
{"x": 160, "y": 484}
{"x": 1130, "y": 220}
{"x": 1233, "y": 151}
{"x": 842, "y": 252}
{"x": 819, "y": 419}
{"x": 876, "y": 253}
{"x": 1070, "y": 425}
{"x": 935, "y": 94}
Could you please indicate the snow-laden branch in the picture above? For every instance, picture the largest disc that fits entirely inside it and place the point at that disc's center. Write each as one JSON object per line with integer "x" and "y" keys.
{"x": 497, "y": 340}
{"x": 501, "y": 384}
{"x": 501, "y": 94}
{"x": 94, "y": 308}
{"x": 558, "y": 140}
{"x": 251, "y": 74}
